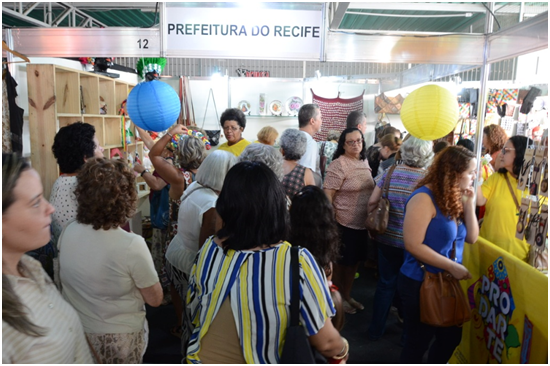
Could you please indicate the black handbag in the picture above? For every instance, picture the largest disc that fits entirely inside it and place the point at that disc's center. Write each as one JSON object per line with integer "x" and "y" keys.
{"x": 297, "y": 348}
{"x": 213, "y": 136}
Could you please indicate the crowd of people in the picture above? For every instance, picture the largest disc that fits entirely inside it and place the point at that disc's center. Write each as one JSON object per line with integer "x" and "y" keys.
{"x": 224, "y": 223}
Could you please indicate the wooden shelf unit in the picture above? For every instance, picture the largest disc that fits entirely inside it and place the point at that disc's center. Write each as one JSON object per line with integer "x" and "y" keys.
{"x": 59, "y": 96}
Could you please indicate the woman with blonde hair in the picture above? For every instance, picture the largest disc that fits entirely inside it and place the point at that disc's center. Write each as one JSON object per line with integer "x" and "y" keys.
{"x": 267, "y": 136}
{"x": 439, "y": 219}
{"x": 38, "y": 325}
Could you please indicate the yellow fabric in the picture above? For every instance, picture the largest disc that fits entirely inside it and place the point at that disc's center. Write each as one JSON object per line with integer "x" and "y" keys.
{"x": 499, "y": 332}
{"x": 236, "y": 149}
{"x": 500, "y": 220}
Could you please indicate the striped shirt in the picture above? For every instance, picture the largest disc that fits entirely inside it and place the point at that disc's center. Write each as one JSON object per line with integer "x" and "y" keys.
{"x": 402, "y": 183}
{"x": 258, "y": 286}
{"x": 64, "y": 341}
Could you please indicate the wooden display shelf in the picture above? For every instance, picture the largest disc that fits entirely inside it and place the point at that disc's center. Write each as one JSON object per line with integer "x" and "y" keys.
{"x": 59, "y": 96}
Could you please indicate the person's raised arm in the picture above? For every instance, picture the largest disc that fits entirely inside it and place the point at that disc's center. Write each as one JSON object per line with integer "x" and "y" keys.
{"x": 165, "y": 169}
{"x": 145, "y": 137}
{"x": 419, "y": 213}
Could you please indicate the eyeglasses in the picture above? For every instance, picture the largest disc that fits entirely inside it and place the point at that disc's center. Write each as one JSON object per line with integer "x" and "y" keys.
{"x": 506, "y": 149}
{"x": 354, "y": 142}
{"x": 231, "y": 128}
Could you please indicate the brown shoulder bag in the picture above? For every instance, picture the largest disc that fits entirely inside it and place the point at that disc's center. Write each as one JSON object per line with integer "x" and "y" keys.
{"x": 377, "y": 219}
{"x": 442, "y": 300}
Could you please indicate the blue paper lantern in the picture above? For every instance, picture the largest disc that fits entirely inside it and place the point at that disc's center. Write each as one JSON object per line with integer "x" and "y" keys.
{"x": 153, "y": 105}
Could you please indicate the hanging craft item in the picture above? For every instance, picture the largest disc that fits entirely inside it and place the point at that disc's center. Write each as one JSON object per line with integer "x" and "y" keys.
{"x": 153, "y": 105}
{"x": 522, "y": 218}
{"x": 334, "y": 112}
{"x": 388, "y": 105}
{"x": 213, "y": 135}
{"x": 430, "y": 112}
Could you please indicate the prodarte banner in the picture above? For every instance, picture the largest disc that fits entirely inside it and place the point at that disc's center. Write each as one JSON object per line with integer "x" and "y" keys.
{"x": 509, "y": 301}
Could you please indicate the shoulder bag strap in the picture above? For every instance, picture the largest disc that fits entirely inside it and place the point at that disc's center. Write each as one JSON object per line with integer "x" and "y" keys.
{"x": 512, "y": 191}
{"x": 295, "y": 287}
{"x": 387, "y": 181}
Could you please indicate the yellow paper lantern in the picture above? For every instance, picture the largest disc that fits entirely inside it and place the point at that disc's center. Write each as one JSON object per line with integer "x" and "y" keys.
{"x": 430, "y": 112}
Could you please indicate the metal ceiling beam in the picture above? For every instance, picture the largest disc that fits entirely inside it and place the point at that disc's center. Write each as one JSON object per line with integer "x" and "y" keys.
{"x": 24, "y": 18}
{"x": 30, "y": 8}
{"x": 338, "y": 14}
{"x": 528, "y": 36}
{"x": 460, "y": 8}
{"x": 82, "y": 14}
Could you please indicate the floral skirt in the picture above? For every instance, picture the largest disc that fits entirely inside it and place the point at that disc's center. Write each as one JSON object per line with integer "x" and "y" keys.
{"x": 118, "y": 347}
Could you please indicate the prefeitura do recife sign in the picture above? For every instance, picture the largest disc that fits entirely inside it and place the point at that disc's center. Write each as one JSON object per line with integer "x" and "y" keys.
{"x": 255, "y": 33}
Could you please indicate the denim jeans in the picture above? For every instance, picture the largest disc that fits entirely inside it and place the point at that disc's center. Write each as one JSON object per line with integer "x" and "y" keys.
{"x": 390, "y": 260}
{"x": 419, "y": 335}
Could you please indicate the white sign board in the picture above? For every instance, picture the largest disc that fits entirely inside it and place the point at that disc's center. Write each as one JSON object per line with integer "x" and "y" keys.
{"x": 257, "y": 33}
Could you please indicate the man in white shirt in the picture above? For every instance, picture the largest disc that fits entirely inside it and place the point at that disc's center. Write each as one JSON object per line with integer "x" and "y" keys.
{"x": 310, "y": 121}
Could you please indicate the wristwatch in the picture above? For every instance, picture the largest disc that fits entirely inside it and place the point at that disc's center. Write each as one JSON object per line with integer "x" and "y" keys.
{"x": 143, "y": 172}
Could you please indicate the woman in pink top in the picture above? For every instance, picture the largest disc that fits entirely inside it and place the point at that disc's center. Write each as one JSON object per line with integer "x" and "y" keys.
{"x": 348, "y": 185}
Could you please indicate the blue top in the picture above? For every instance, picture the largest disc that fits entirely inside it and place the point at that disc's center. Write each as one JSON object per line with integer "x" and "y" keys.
{"x": 441, "y": 233}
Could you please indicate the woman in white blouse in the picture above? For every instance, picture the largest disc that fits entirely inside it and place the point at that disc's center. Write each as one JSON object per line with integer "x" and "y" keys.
{"x": 38, "y": 326}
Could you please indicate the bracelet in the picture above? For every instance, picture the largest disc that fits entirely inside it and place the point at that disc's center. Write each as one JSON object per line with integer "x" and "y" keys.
{"x": 169, "y": 134}
{"x": 344, "y": 352}
{"x": 143, "y": 172}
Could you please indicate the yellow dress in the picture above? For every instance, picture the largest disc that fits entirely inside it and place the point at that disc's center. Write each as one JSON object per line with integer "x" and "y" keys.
{"x": 500, "y": 220}
{"x": 236, "y": 149}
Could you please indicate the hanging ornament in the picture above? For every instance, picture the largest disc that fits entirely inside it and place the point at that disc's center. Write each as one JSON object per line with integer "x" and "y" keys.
{"x": 430, "y": 112}
{"x": 153, "y": 105}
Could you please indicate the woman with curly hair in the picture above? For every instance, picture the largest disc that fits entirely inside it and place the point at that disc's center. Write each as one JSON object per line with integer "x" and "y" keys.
{"x": 319, "y": 234}
{"x": 439, "y": 216}
{"x": 348, "y": 186}
{"x": 38, "y": 325}
{"x": 494, "y": 138}
{"x": 107, "y": 273}
{"x": 501, "y": 214}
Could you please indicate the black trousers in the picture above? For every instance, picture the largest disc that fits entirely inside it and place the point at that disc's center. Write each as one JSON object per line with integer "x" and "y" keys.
{"x": 420, "y": 335}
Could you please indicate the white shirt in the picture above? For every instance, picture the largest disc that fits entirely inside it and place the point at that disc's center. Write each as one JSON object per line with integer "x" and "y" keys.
{"x": 310, "y": 159}
{"x": 102, "y": 272}
{"x": 63, "y": 200}
{"x": 196, "y": 200}
{"x": 64, "y": 341}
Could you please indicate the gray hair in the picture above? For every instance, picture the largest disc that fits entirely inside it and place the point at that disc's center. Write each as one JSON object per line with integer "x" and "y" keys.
{"x": 306, "y": 113}
{"x": 214, "y": 168}
{"x": 417, "y": 153}
{"x": 266, "y": 154}
{"x": 333, "y": 135}
{"x": 191, "y": 152}
{"x": 294, "y": 144}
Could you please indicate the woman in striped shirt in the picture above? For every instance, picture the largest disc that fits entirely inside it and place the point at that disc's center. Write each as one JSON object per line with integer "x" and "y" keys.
{"x": 239, "y": 290}
{"x": 38, "y": 326}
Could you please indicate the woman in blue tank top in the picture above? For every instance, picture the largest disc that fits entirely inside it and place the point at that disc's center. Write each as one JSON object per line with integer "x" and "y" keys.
{"x": 439, "y": 212}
